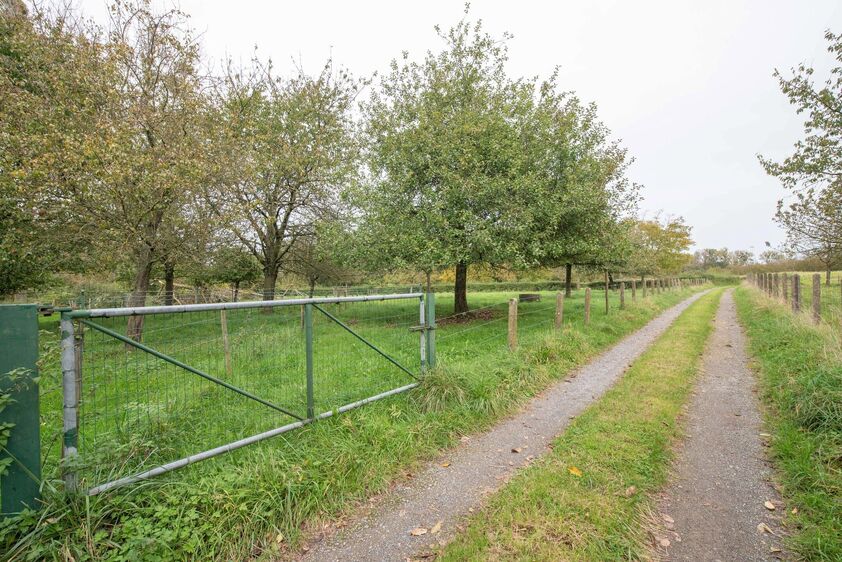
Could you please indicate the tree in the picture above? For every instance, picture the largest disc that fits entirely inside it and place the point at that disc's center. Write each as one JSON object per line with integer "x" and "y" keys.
{"x": 54, "y": 80}
{"x": 711, "y": 257}
{"x": 315, "y": 258}
{"x": 740, "y": 258}
{"x": 445, "y": 161}
{"x": 659, "y": 247}
{"x": 813, "y": 172}
{"x": 286, "y": 149}
{"x": 234, "y": 265}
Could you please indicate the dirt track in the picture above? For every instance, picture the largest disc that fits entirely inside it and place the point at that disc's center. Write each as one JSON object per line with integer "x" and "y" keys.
{"x": 445, "y": 494}
{"x": 712, "y": 508}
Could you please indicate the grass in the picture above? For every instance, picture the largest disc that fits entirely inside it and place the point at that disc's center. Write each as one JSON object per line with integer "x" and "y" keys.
{"x": 262, "y": 500}
{"x": 800, "y": 371}
{"x": 576, "y": 503}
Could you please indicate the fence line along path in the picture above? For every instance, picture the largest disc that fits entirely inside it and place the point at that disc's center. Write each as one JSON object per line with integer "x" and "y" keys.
{"x": 444, "y": 492}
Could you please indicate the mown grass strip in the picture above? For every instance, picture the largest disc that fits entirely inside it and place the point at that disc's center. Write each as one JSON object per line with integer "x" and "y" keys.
{"x": 261, "y": 501}
{"x": 577, "y": 502}
{"x": 800, "y": 371}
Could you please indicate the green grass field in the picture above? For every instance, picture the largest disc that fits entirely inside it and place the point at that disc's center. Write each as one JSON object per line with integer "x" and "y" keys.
{"x": 260, "y": 500}
{"x": 574, "y": 503}
{"x": 800, "y": 372}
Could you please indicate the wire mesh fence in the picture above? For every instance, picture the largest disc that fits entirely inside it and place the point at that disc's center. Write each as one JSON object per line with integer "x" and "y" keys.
{"x": 155, "y": 388}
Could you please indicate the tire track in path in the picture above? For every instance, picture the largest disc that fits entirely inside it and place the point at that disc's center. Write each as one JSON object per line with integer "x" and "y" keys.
{"x": 713, "y": 509}
{"x": 439, "y": 497}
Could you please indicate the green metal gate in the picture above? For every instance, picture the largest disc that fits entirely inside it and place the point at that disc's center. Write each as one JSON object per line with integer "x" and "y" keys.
{"x": 149, "y": 390}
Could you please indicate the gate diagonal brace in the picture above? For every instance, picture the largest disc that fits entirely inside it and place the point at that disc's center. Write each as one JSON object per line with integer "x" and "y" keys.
{"x": 365, "y": 341}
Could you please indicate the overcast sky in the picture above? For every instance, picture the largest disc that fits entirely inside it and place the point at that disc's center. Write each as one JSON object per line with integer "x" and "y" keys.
{"x": 687, "y": 86}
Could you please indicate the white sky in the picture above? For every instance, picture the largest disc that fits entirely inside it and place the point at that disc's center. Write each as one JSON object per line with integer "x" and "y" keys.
{"x": 687, "y": 86}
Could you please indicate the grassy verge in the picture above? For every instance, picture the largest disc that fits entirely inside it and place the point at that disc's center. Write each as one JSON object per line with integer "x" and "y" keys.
{"x": 577, "y": 503}
{"x": 260, "y": 501}
{"x": 800, "y": 368}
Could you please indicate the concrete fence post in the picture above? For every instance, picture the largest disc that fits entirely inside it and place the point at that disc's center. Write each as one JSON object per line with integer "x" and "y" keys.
{"x": 796, "y": 293}
{"x": 785, "y": 287}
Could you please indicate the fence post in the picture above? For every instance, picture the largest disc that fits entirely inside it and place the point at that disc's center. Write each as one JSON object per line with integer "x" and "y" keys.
{"x": 796, "y": 293}
{"x": 308, "y": 339}
{"x": 587, "y": 305}
{"x": 634, "y": 290}
{"x": 643, "y": 283}
{"x": 19, "y": 486}
{"x": 430, "y": 319}
{"x": 70, "y": 386}
{"x": 817, "y": 297}
{"x": 622, "y": 295}
{"x": 512, "y": 324}
{"x": 559, "y": 310}
{"x": 785, "y": 287}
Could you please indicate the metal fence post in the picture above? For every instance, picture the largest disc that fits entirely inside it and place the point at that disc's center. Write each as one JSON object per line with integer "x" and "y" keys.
{"x": 430, "y": 318}
{"x": 19, "y": 486}
{"x": 308, "y": 338}
{"x": 70, "y": 387}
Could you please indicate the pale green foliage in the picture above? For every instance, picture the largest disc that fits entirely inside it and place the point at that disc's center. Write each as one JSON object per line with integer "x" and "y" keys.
{"x": 813, "y": 218}
{"x": 659, "y": 247}
{"x": 283, "y": 150}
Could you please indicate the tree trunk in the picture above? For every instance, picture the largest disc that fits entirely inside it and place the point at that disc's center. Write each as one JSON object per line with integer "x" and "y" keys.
{"x": 568, "y": 279}
{"x": 460, "y": 294}
{"x": 236, "y": 291}
{"x": 143, "y": 271}
{"x": 312, "y": 287}
{"x": 169, "y": 283}
{"x": 270, "y": 278}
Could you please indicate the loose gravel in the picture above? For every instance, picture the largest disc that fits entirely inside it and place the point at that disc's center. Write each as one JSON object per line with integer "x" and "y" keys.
{"x": 450, "y": 488}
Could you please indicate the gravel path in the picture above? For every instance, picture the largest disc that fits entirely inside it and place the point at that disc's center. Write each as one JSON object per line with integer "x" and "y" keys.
{"x": 715, "y": 502}
{"x": 450, "y": 488}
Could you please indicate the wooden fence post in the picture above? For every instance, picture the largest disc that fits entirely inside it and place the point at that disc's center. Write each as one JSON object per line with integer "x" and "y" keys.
{"x": 622, "y": 295}
{"x": 559, "y": 310}
{"x": 512, "y": 324}
{"x": 785, "y": 287}
{"x": 587, "y": 305}
{"x": 776, "y": 285}
{"x": 796, "y": 293}
{"x": 643, "y": 283}
{"x": 817, "y": 297}
{"x": 634, "y": 290}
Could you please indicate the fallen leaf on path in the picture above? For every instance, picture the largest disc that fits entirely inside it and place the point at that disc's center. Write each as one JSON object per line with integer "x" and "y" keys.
{"x": 664, "y": 542}
{"x": 436, "y": 528}
{"x": 667, "y": 518}
{"x": 574, "y": 471}
{"x": 630, "y": 491}
{"x": 794, "y": 510}
{"x": 769, "y": 505}
{"x": 418, "y": 531}
{"x": 774, "y": 549}
{"x": 445, "y": 464}
{"x": 516, "y": 450}
{"x": 763, "y": 528}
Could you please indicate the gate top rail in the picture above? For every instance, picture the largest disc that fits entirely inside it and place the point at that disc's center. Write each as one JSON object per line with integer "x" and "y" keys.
{"x": 147, "y": 310}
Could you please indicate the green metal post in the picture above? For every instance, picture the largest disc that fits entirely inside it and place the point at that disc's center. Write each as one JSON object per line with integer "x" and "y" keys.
{"x": 430, "y": 320}
{"x": 308, "y": 336}
{"x": 19, "y": 409}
